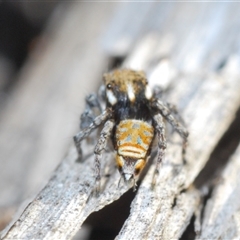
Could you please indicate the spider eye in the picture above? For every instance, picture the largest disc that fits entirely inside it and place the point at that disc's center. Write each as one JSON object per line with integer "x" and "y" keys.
{"x": 109, "y": 86}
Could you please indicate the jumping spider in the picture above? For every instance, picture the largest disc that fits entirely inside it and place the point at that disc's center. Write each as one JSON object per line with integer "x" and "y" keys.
{"x": 132, "y": 118}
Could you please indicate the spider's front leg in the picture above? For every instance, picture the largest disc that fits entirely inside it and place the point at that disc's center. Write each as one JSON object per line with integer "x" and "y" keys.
{"x": 162, "y": 144}
{"x": 92, "y": 107}
{"x": 101, "y": 144}
{"x": 86, "y": 131}
{"x": 167, "y": 113}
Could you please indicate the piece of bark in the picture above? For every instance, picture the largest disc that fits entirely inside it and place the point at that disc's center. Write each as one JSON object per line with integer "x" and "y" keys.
{"x": 224, "y": 203}
{"x": 232, "y": 227}
{"x": 186, "y": 205}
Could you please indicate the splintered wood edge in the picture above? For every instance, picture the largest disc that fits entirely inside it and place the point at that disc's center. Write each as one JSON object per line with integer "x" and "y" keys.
{"x": 232, "y": 227}
{"x": 223, "y": 207}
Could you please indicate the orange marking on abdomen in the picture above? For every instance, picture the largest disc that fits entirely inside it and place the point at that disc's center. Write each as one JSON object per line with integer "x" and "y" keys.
{"x": 133, "y": 146}
{"x": 134, "y": 138}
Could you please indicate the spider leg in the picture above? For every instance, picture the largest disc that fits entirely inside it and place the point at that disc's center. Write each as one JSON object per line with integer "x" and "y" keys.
{"x": 101, "y": 144}
{"x": 93, "y": 106}
{"x": 158, "y": 91}
{"x": 162, "y": 144}
{"x": 167, "y": 113}
{"x": 102, "y": 93}
{"x": 174, "y": 110}
{"x": 86, "y": 131}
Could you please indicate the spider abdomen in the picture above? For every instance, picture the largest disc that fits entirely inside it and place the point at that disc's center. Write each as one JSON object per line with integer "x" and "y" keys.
{"x": 133, "y": 138}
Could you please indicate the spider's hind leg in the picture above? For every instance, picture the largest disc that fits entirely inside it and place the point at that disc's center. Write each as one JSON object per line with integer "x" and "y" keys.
{"x": 101, "y": 145}
{"x": 162, "y": 144}
{"x": 170, "y": 113}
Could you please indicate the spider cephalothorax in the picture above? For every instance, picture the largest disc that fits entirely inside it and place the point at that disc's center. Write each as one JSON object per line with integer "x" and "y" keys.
{"x": 133, "y": 116}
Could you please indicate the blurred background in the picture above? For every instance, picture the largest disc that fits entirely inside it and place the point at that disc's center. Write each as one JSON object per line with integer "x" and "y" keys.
{"x": 52, "y": 54}
{"x": 21, "y": 28}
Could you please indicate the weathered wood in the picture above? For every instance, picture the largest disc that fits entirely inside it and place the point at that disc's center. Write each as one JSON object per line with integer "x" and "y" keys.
{"x": 186, "y": 205}
{"x": 223, "y": 206}
{"x": 232, "y": 227}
